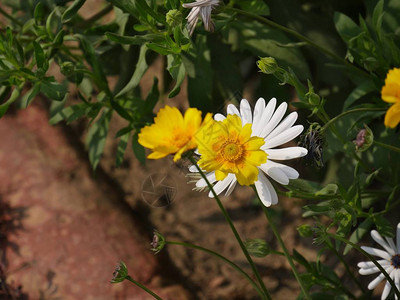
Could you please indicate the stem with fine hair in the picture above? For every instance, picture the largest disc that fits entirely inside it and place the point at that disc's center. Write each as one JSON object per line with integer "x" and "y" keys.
{"x": 283, "y": 246}
{"x": 359, "y": 249}
{"x": 236, "y": 234}
{"x": 143, "y": 287}
{"x": 224, "y": 259}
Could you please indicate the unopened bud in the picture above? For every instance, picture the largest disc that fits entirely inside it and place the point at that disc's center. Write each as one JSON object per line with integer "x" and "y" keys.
{"x": 67, "y": 68}
{"x": 267, "y": 65}
{"x": 305, "y": 230}
{"x": 174, "y": 17}
{"x": 158, "y": 242}
{"x": 364, "y": 139}
{"x": 120, "y": 273}
{"x": 257, "y": 247}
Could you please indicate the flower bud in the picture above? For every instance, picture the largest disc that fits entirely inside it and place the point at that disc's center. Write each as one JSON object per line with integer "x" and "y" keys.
{"x": 364, "y": 139}
{"x": 305, "y": 230}
{"x": 67, "y": 68}
{"x": 257, "y": 247}
{"x": 174, "y": 17}
{"x": 267, "y": 65}
{"x": 120, "y": 273}
{"x": 158, "y": 242}
{"x": 313, "y": 141}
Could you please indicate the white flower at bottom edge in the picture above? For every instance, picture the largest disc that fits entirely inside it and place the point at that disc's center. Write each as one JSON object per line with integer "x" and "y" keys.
{"x": 266, "y": 123}
{"x": 203, "y": 9}
{"x": 390, "y": 261}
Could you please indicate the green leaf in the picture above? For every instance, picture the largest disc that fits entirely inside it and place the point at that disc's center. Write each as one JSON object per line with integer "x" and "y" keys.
{"x": 144, "y": 7}
{"x": 152, "y": 98}
{"x": 301, "y": 260}
{"x": 141, "y": 68}
{"x": 303, "y": 186}
{"x": 329, "y": 189}
{"x": 123, "y": 131}
{"x": 53, "y": 90}
{"x": 39, "y": 54}
{"x": 71, "y": 11}
{"x": 52, "y": 23}
{"x": 358, "y": 234}
{"x": 30, "y": 95}
{"x": 258, "y": 7}
{"x": 134, "y": 40}
{"x": 160, "y": 49}
{"x": 383, "y": 226}
{"x": 120, "y": 110}
{"x": 138, "y": 149}
{"x": 38, "y": 13}
{"x": 14, "y": 95}
{"x": 361, "y": 90}
{"x": 377, "y": 17}
{"x": 96, "y": 138}
{"x": 346, "y": 27}
{"x": 177, "y": 70}
{"x": 123, "y": 143}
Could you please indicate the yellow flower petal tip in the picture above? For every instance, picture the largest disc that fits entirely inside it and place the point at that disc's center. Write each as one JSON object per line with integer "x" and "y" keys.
{"x": 171, "y": 132}
{"x": 391, "y": 94}
{"x": 228, "y": 147}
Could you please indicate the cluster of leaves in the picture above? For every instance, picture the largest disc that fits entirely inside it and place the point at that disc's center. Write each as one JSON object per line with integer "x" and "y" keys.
{"x": 345, "y": 64}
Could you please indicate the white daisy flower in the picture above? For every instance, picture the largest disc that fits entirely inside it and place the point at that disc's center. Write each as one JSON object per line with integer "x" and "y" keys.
{"x": 267, "y": 124}
{"x": 390, "y": 261}
{"x": 203, "y": 9}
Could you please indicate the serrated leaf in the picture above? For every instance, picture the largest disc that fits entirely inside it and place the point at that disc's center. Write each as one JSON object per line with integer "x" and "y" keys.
{"x": 122, "y": 144}
{"x": 96, "y": 138}
{"x": 358, "y": 234}
{"x": 71, "y": 11}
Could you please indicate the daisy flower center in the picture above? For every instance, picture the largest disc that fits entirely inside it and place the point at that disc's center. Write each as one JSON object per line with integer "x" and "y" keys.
{"x": 232, "y": 151}
{"x": 395, "y": 261}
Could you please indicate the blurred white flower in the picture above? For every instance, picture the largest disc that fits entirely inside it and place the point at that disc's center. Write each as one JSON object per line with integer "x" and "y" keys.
{"x": 390, "y": 261}
{"x": 203, "y": 9}
{"x": 266, "y": 123}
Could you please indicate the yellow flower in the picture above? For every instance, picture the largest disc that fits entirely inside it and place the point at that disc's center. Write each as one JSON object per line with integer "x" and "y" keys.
{"x": 228, "y": 147}
{"x": 391, "y": 94}
{"x": 171, "y": 132}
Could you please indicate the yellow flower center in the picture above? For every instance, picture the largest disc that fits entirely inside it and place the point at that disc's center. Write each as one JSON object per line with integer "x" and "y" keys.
{"x": 180, "y": 139}
{"x": 232, "y": 151}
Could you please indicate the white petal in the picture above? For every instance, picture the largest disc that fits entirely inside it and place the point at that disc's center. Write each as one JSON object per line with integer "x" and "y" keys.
{"x": 200, "y": 3}
{"x": 286, "y": 153}
{"x": 378, "y": 238}
{"x": 263, "y": 190}
{"x": 231, "y": 187}
{"x": 266, "y": 116}
{"x": 219, "y": 117}
{"x": 275, "y": 173}
{"x": 245, "y": 111}
{"x": 375, "y": 282}
{"x": 257, "y": 114}
{"x": 276, "y": 118}
{"x": 210, "y": 177}
{"x": 283, "y": 137}
{"x": 387, "y": 288}
{"x": 289, "y": 171}
{"x": 398, "y": 238}
{"x": 397, "y": 279}
{"x": 232, "y": 110}
{"x": 220, "y": 186}
{"x": 370, "y": 264}
{"x": 390, "y": 241}
{"x": 369, "y": 271}
{"x": 193, "y": 169}
{"x": 377, "y": 252}
{"x": 285, "y": 124}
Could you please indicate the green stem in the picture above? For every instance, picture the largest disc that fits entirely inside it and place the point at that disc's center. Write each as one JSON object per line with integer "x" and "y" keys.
{"x": 283, "y": 246}
{"x": 296, "y": 35}
{"x": 329, "y": 123}
{"x": 8, "y": 16}
{"x": 340, "y": 257}
{"x": 359, "y": 249}
{"x": 390, "y": 147}
{"x": 143, "y": 287}
{"x": 236, "y": 234}
{"x": 223, "y": 258}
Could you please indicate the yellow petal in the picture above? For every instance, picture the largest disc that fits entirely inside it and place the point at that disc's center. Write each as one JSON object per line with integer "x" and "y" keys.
{"x": 247, "y": 174}
{"x": 256, "y": 158}
{"x": 393, "y": 76}
{"x": 157, "y": 155}
{"x": 392, "y": 117}
{"x": 391, "y": 92}
{"x": 219, "y": 175}
{"x": 254, "y": 143}
{"x": 245, "y": 133}
{"x": 169, "y": 118}
{"x": 192, "y": 119}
